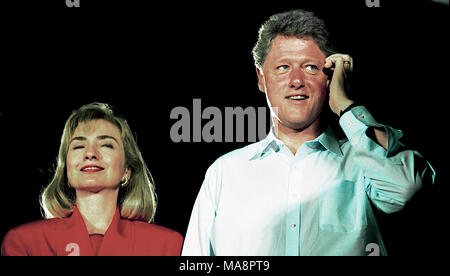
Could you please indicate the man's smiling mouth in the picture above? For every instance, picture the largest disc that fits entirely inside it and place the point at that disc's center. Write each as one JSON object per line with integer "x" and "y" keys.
{"x": 297, "y": 97}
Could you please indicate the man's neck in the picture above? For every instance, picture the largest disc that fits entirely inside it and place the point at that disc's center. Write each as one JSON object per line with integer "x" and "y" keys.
{"x": 295, "y": 138}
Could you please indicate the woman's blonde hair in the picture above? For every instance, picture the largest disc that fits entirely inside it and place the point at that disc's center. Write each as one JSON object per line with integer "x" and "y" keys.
{"x": 136, "y": 201}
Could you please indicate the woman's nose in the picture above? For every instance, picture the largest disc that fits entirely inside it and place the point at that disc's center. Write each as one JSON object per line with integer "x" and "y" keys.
{"x": 91, "y": 153}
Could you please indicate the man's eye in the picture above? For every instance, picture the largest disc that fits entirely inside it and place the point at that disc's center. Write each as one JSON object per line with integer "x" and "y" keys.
{"x": 108, "y": 146}
{"x": 283, "y": 67}
{"x": 312, "y": 67}
{"x": 78, "y": 147}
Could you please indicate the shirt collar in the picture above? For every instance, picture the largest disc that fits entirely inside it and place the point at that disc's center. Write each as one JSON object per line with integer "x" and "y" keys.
{"x": 329, "y": 141}
{"x": 270, "y": 144}
{"x": 326, "y": 141}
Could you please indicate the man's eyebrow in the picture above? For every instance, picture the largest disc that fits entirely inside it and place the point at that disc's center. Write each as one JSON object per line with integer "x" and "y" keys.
{"x": 303, "y": 59}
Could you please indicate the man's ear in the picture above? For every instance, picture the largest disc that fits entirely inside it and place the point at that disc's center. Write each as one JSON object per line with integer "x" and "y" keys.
{"x": 261, "y": 82}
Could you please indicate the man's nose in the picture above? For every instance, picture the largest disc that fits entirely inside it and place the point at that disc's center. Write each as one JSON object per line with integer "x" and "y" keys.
{"x": 296, "y": 79}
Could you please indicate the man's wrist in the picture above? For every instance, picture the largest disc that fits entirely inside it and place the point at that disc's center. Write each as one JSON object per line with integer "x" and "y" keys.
{"x": 348, "y": 108}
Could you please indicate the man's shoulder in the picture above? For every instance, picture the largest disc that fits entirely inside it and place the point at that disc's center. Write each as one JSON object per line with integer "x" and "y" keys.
{"x": 237, "y": 159}
{"x": 242, "y": 154}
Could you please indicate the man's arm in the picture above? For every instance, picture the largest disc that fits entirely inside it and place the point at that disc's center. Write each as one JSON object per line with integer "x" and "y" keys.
{"x": 379, "y": 135}
{"x": 392, "y": 173}
{"x": 342, "y": 67}
{"x": 199, "y": 240}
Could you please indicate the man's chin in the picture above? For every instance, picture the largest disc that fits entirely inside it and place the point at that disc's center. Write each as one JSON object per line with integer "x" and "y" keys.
{"x": 296, "y": 126}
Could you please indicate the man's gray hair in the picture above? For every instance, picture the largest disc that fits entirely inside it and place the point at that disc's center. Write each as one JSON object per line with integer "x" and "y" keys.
{"x": 298, "y": 23}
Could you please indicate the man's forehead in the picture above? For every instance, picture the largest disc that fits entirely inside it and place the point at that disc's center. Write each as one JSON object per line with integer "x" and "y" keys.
{"x": 292, "y": 45}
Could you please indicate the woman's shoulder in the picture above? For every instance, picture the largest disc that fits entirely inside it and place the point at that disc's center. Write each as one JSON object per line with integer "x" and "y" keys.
{"x": 20, "y": 239}
{"x": 156, "y": 240}
{"x": 37, "y": 226}
{"x": 31, "y": 229}
{"x": 156, "y": 230}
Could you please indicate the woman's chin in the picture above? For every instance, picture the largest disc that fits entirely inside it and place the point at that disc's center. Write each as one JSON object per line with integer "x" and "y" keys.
{"x": 94, "y": 187}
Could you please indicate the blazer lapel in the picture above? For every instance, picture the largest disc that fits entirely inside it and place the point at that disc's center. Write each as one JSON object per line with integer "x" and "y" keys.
{"x": 119, "y": 238}
{"x": 73, "y": 237}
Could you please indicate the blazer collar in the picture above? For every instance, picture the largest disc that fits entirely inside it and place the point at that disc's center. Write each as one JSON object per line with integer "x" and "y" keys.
{"x": 73, "y": 237}
{"x": 119, "y": 238}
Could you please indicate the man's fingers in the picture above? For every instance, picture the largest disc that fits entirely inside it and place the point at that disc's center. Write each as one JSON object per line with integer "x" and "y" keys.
{"x": 339, "y": 66}
{"x": 348, "y": 63}
{"x": 339, "y": 61}
{"x": 328, "y": 63}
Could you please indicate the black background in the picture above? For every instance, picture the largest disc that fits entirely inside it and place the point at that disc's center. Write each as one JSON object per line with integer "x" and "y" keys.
{"x": 147, "y": 58}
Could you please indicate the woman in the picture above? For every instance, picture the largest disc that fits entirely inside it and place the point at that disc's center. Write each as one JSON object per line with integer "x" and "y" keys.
{"x": 101, "y": 198}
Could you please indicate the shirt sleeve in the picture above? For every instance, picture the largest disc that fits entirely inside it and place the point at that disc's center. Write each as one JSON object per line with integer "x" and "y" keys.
{"x": 199, "y": 235}
{"x": 391, "y": 176}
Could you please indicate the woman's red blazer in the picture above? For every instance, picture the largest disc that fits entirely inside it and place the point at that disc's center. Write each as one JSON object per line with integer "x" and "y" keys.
{"x": 69, "y": 237}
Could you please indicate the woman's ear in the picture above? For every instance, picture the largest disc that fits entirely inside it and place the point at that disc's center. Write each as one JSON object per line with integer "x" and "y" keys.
{"x": 125, "y": 178}
{"x": 127, "y": 173}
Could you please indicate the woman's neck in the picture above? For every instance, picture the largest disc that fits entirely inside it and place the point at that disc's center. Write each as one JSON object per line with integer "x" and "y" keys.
{"x": 97, "y": 209}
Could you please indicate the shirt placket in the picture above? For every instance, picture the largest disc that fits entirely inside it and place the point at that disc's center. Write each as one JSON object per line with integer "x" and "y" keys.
{"x": 293, "y": 216}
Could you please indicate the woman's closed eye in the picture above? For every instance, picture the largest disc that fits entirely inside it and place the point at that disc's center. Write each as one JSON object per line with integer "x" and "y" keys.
{"x": 104, "y": 145}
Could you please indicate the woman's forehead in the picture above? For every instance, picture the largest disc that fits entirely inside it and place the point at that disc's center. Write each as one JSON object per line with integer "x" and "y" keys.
{"x": 97, "y": 126}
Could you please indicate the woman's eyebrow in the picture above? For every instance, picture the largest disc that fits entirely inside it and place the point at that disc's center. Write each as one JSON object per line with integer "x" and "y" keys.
{"x": 103, "y": 137}
{"x": 100, "y": 137}
{"x": 78, "y": 138}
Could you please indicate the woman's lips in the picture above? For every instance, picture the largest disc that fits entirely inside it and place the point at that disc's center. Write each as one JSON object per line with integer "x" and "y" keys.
{"x": 91, "y": 168}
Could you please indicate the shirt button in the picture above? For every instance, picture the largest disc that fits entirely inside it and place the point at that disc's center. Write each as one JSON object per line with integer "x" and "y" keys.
{"x": 293, "y": 226}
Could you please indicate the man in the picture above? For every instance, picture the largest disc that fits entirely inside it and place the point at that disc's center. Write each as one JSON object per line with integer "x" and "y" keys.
{"x": 300, "y": 191}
